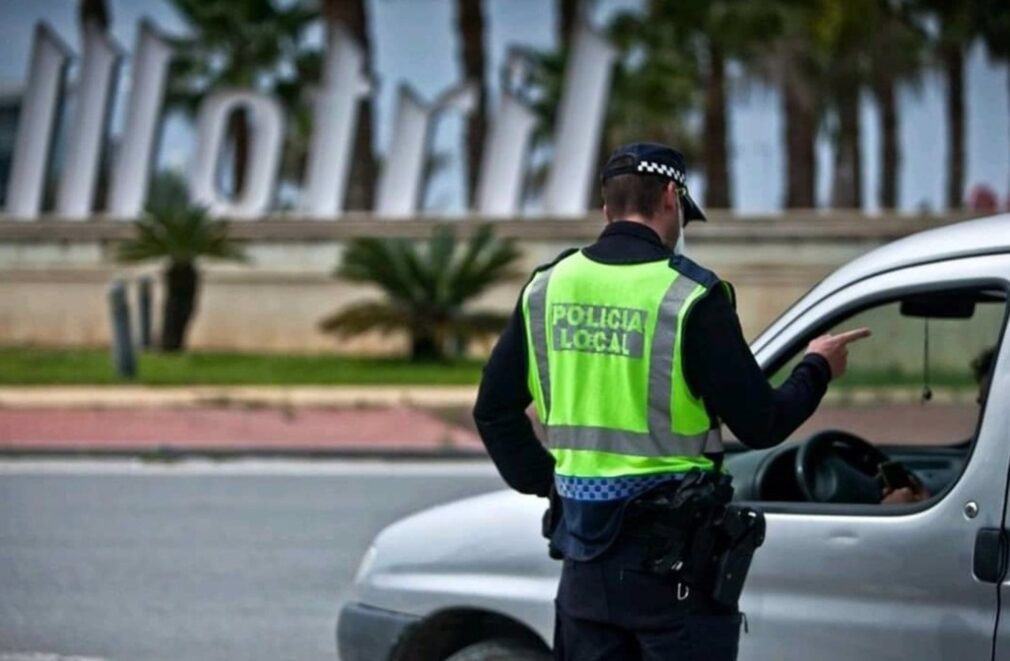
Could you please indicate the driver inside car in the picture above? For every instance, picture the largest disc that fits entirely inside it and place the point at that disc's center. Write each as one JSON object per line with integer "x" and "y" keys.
{"x": 981, "y": 368}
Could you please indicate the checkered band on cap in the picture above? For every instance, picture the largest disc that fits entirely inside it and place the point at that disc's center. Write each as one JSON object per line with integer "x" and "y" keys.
{"x": 659, "y": 168}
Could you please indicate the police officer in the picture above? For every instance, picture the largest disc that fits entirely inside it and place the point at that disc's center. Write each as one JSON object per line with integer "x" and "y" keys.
{"x": 633, "y": 355}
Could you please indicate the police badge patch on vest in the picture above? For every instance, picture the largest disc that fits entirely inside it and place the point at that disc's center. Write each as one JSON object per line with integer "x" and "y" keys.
{"x": 598, "y": 329}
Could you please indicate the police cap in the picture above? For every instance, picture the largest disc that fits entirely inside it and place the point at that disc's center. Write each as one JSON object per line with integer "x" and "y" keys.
{"x": 647, "y": 158}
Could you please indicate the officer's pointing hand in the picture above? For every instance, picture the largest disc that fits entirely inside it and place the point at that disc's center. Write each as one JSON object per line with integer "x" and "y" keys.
{"x": 834, "y": 348}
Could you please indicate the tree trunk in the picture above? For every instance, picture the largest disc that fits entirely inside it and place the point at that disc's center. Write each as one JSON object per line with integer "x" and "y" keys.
{"x": 568, "y": 16}
{"x": 890, "y": 150}
{"x": 361, "y": 184}
{"x": 94, "y": 10}
{"x": 800, "y": 135}
{"x": 717, "y": 186}
{"x": 470, "y": 25}
{"x": 181, "y": 282}
{"x": 847, "y": 189}
{"x": 424, "y": 347}
{"x": 953, "y": 60}
{"x": 238, "y": 130}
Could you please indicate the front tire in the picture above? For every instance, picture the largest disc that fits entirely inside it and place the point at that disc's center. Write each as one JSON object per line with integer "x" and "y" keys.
{"x": 499, "y": 650}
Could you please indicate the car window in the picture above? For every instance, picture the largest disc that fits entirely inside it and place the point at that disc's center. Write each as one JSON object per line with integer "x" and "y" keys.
{"x": 915, "y": 381}
{"x": 914, "y": 390}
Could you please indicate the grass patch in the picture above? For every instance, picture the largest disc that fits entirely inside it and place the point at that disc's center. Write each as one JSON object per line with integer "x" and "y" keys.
{"x": 32, "y": 366}
{"x": 891, "y": 376}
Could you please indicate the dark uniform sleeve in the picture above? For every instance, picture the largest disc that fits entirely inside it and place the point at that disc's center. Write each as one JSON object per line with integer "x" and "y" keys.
{"x": 500, "y": 414}
{"x": 721, "y": 369}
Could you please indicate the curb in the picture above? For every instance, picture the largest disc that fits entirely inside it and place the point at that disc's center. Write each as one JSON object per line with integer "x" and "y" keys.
{"x": 170, "y": 454}
{"x": 29, "y": 397}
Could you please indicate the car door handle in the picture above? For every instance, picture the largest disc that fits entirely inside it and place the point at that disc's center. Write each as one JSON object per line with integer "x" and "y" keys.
{"x": 989, "y": 564}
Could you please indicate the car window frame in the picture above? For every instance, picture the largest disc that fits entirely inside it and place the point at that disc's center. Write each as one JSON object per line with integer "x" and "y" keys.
{"x": 837, "y": 315}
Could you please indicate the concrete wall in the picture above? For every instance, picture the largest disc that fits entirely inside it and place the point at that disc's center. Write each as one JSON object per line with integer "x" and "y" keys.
{"x": 54, "y": 276}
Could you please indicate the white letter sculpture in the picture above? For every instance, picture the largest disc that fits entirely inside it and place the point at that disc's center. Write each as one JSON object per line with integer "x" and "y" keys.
{"x": 97, "y": 77}
{"x": 580, "y": 124}
{"x": 399, "y": 186}
{"x": 46, "y": 72}
{"x": 504, "y": 159}
{"x": 267, "y": 130}
{"x": 135, "y": 155}
{"x": 336, "y": 116}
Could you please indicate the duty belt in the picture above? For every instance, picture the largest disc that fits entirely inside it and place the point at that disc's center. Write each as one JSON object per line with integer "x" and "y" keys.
{"x": 697, "y": 537}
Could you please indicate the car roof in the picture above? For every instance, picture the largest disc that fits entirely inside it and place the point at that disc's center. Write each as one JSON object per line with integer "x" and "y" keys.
{"x": 973, "y": 237}
{"x": 982, "y": 236}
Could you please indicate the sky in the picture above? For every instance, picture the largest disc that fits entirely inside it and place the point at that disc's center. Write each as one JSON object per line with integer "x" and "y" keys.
{"x": 415, "y": 42}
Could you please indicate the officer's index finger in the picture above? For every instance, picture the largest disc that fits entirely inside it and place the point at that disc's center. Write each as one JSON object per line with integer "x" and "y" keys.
{"x": 853, "y": 335}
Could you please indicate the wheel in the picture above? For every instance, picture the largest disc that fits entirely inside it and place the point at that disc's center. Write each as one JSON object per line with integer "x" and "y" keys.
{"x": 499, "y": 650}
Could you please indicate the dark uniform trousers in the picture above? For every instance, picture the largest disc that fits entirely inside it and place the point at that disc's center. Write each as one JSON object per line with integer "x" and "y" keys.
{"x": 613, "y": 609}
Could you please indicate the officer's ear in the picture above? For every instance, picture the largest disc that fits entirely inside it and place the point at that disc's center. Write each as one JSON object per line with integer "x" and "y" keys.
{"x": 670, "y": 200}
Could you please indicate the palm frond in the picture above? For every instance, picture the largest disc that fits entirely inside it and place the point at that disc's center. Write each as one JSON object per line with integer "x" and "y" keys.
{"x": 477, "y": 323}
{"x": 367, "y": 316}
{"x": 427, "y": 285}
{"x": 383, "y": 262}
{"x": 181, "y": 232}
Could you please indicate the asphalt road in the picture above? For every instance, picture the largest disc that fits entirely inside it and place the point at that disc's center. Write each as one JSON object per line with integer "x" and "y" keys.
{"x": 195, "y": 561}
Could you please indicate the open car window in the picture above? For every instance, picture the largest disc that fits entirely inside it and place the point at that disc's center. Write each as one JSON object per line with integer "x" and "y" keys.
{"x": 917, "y": 380}
{"x": 914, "y": 391}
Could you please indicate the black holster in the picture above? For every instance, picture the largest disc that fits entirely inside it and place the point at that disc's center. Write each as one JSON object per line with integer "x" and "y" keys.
{"x": 741, "y": 531}
{"x": 697, "y": 537}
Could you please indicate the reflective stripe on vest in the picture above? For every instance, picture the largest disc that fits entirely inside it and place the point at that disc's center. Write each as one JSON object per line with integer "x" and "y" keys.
{"x": 609, "y": 451}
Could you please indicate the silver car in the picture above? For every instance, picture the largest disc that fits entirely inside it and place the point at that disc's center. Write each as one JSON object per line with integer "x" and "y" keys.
{"x": 841, "y": 575}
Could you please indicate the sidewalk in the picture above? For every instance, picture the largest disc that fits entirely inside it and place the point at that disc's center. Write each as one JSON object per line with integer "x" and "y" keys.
{"x": 232, "y": 421}
{"x": 377, "y": 421}
{"x": 188, "y": 396}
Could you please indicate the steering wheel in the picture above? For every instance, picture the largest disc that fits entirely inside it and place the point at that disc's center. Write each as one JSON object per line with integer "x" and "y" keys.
{"x": 834, "y": 466}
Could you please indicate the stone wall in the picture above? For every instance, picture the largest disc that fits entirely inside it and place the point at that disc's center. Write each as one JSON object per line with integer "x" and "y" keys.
{"x": 54, "y": 275}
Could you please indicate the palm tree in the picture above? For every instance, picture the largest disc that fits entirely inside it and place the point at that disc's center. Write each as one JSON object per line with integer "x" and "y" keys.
{"x": 957, "y": 26}
{"x": 793, "y": 61}
{"x": 353, "y": 15}
{"x": 652, "y": 90}
{"x": 96, "y": 12}
{"x": 470, "y": 25}
{"x": 896, "y": 54}
{"x": 426, "y": 289}
{"x": 712, "y": 33}
{"x": 182, "y": 233}
{"x": 994, "y": 25}
{"x": 239, "y": 43}
{"x": 567, "y": 17}
{"x": 842, "y": 36}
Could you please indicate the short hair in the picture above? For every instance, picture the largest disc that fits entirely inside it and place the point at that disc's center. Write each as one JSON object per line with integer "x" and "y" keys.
{"x": 627, "y": 194}
{"x": 983, "y": 363}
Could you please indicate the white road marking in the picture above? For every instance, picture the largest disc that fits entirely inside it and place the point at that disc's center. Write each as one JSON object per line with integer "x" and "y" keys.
{"x": 43, "y": 656}
{"x": 198, "y": 467}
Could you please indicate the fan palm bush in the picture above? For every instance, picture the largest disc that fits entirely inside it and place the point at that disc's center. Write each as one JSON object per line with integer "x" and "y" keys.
{"x": 426, "y": 287}
{"x": 180, "y": 232}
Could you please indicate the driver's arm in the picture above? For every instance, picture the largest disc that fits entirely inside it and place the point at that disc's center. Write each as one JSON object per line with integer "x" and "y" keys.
{"x": 720, "y": 368}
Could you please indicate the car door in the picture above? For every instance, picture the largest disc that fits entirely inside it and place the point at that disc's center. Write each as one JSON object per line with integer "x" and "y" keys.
{"x": 839, "y": 581}
{"x": 1001, "y": 388}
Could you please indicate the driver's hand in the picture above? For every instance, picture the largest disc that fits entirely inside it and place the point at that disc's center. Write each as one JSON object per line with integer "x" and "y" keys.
{"x": 904, "y": 495}
{"x": 834, "y": 348}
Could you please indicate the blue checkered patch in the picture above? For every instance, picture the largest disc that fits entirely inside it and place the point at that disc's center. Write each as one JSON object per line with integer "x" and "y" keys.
{"x": 609, "y": 488}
